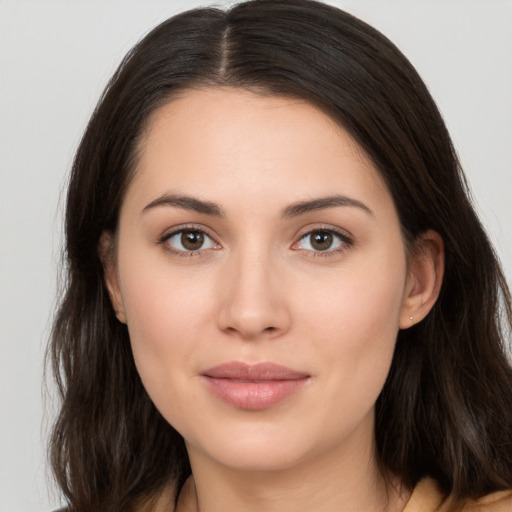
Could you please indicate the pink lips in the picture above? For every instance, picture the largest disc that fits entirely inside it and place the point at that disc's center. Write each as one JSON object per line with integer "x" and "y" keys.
{"x": 253, "y": 387}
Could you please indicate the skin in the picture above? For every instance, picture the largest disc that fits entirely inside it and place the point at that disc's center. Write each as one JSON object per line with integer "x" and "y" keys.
{"x": 258, "y": 291}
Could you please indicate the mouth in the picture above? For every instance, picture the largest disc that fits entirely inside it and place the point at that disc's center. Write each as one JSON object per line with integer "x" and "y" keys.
{"x": 253, "y": 387}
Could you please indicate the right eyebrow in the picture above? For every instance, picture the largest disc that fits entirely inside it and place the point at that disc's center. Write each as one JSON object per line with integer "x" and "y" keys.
{"x": 186, "y": 203}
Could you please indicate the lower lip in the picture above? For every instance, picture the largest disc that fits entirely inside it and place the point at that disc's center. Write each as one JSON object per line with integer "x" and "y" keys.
{"x": 254, "y": 395}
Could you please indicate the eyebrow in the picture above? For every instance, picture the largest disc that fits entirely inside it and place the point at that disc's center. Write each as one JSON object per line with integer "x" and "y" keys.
{"x": 321, "y": 203}
{"x": 293, "y": 210}
{"x": 187, "y": 203}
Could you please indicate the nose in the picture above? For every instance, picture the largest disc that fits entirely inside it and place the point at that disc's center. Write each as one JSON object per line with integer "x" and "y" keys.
{"x": 253, "y": 300}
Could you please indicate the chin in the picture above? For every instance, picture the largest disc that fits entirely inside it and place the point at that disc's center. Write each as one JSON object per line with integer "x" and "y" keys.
{"x": 257, "y": 445}
{"x": 247, "y": 455}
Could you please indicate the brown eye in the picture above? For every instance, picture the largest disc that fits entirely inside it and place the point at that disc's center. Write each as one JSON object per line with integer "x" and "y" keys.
{"x": 192, "y": 240}
{"x": 189, "y": 241}
{"x": 321, "y": 240}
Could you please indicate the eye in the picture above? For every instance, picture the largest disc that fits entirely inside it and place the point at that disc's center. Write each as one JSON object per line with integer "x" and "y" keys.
{"x": 189, "y": 240}
{"x": 323, "y": 240}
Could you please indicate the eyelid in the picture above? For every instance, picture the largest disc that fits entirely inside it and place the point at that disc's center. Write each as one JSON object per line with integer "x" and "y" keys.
{"x": 347, "y": 240}
{"x": 343, "y": 236}
{"x": 180, "y": 229}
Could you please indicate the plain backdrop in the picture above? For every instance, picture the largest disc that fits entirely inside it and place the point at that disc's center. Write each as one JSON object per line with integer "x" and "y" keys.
{"x": 55, "y": 59}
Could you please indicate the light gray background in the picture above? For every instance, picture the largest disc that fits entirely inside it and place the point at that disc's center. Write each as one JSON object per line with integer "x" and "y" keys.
{"x": 55, "y": 58}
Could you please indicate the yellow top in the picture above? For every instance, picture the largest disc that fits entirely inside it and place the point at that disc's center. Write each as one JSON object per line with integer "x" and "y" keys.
{"x": 427, "y": 497}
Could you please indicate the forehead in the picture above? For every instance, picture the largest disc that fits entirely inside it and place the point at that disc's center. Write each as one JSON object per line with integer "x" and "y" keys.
{"x": 224, "y": 140}
{"x": 247, "y": 117}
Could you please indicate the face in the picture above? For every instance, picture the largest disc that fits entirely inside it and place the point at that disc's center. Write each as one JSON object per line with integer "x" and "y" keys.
{"x": 262, "y": 274}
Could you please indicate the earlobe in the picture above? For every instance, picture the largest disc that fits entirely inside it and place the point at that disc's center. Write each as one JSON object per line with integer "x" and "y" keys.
{"x": 424, "y": 279}
{"x": 106, "y": 250}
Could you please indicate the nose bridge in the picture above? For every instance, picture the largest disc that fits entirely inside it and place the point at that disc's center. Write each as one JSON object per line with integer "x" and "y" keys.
{"x": 253, "y": 301}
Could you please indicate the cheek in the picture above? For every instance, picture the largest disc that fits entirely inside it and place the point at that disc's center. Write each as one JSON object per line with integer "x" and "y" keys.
{"x": 360, "y": 301}
{"x": 354, "y": 323}
{"x": 166, "y": 313}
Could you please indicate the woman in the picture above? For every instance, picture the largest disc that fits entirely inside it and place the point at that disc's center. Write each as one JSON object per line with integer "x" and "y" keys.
{"x": 279, "y": 296}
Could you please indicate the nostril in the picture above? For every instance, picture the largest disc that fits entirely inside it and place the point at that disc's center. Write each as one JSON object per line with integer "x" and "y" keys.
{"x": 251, "y": 311}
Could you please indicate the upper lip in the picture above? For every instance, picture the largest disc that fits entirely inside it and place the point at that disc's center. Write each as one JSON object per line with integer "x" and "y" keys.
{"x": 253, "y": 372}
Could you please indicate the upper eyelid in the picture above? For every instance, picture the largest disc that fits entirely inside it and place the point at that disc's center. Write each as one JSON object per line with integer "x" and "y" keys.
{"x": 187, "y": 227}
{"x": 342, "y": 233}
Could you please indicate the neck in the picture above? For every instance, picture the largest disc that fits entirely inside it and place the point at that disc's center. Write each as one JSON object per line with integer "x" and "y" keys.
{"x": 345, "y": 479}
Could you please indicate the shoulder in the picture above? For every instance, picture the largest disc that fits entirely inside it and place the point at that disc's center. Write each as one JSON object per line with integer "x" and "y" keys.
{"x": 496, "y": 502}
{"x": 427, "y": 497}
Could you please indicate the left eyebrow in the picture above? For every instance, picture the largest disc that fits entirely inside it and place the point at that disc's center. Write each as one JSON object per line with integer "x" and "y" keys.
{"x": 296, "y": 209}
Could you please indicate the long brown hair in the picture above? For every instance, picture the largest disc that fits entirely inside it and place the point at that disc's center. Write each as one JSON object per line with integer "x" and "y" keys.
{"x": 446, "y": 408}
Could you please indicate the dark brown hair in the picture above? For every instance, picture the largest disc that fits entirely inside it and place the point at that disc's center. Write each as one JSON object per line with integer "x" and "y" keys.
{"x": 446, "y": 408}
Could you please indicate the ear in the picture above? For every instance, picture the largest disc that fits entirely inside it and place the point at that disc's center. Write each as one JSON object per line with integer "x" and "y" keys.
{"x": 424, "y": 278}
{"x": 106, "y": 249}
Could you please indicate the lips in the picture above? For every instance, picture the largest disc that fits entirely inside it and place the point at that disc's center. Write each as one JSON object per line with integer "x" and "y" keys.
{"x": 253, "y": 387}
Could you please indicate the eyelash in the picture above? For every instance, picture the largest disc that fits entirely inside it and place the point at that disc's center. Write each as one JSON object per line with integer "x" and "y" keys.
{"x": 184, "y": 253}
{"x": 345, "y": 242}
